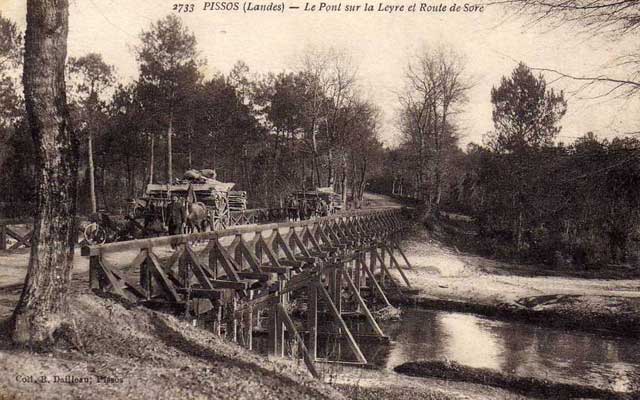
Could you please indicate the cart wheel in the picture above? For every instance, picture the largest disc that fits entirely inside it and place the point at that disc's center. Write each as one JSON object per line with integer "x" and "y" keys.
{"x": 94, "y": 234}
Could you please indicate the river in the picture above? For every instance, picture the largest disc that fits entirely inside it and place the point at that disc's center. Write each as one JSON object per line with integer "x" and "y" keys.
{"x": 510, "y": 347}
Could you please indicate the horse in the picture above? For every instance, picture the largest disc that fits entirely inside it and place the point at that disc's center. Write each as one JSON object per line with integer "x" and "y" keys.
{"x": 196, "y": 216}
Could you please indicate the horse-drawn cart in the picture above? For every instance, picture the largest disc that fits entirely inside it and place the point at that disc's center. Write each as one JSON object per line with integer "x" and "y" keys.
{"x": 320, "y": 202}
{"x": 197, "y": 202}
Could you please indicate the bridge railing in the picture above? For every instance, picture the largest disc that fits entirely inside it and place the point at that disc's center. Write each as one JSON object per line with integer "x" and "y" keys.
{"x": 11, "y": 236}
{"x": 257, "y": 216}
{"x": 238, "y": 230}
{"x": 16, "y": 233}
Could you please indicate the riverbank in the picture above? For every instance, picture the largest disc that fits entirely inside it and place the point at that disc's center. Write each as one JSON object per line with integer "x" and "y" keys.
{"x": 137, "y": 353}
{"x": 371, "y": 384}
{"x": 448, "y": 279}
{"x": 527, "y": 386}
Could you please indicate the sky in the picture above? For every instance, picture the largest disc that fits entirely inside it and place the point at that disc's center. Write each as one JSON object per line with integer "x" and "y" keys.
{"x": 492, "y": 43}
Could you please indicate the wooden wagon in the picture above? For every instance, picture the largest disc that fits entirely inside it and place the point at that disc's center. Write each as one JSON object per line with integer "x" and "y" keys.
{"x": 152, "y": 214}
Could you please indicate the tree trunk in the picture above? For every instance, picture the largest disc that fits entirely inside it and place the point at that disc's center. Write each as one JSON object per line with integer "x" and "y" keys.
{"x": 103, "y": 187}
{"x": 43, "y": 307}
{"x": 343, "y": 183}
{"x": 315, "y": 173}
{"x": 92, "y": 182}
{"x": 151, "y": 159}
{"x": 330, "y": 170}
{"x": 169, "y": 153}
{"x": 189, "y": 148}
{"x": 315, "y": 177}
{"x": 435, "y": 203}
{"x": 363, "y": 180}
{"x": 519, "y": 232}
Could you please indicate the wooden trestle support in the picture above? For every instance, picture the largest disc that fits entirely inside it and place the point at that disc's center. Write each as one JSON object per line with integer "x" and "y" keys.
{"x": 241, "y": 271}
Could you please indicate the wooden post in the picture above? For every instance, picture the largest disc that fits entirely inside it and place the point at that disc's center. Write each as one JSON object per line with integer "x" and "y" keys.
{"x": 3, "y": 237}
{"x": 383, "y": 255}
{"x": 249, "y": 325}
{"x": 338, "y": 287}
{"x": 272, "y": 335}
{"x": 213, "y": 259}
{"x": 331, "y": 281}
{"x": 276, "y": 333}
{"x": 217, "y": 325}
{"x": 383, "y": 270}
{"x": 145, "y": 278}
{"x": 169, "y": 151}
{"x": 257, "y": 249}
{"x": 372, "y": 260}
{"x": 92, "y": 185}
{"x": 312, "y": 320}
{"x": 94, "y": 264}
{"x": 357, "y": 278}
{"x": 238, "y": 252}
{"x": 232, "y": 322}
{"x": 184, "y": 272}
{"x": 282, "y": 301}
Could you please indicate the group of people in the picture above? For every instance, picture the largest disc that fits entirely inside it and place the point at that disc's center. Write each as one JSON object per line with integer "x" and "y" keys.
{"x": 301, "y": 209}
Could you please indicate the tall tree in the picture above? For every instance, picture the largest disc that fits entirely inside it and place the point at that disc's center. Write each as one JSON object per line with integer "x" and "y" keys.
{"x": 281, "y": 99}
{"x": 90, "y": 76}
{"x": 525, "y": 112}
{"x": 331, "y": 78}
{"x": 124, "y": 141}
{"x": 435, "y": 89}
{"x": 43, "y": 308}
{"x": 526, "y": 116}
{"x": 169, "y": 72}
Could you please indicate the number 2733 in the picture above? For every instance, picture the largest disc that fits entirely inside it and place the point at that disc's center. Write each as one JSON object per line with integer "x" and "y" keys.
{"x": 184, "y": 7}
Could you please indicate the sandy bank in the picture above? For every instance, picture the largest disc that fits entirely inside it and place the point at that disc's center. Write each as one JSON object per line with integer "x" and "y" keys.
{"x": 449, "y": 279}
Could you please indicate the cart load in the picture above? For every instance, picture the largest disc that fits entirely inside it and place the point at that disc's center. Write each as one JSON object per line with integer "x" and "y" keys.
{"x": 305, "y": 204}
{"x": 238, "y": 201}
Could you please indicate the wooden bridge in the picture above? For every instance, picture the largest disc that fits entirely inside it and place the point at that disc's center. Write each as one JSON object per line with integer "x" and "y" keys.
{"x": 230, "y": 279}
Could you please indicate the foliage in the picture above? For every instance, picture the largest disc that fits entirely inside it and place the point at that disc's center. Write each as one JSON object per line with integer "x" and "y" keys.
{"x": 270, "y": 134}
{"x": 10, "y": 63}
{"x": 559, "y": 205}
{"x": 436, "y": 88}
{"x": 525, "y": 113}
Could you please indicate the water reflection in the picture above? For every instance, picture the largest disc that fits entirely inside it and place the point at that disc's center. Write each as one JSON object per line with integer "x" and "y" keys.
{"x": 516, "y": 348}
{"x": 511, "y": 347}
